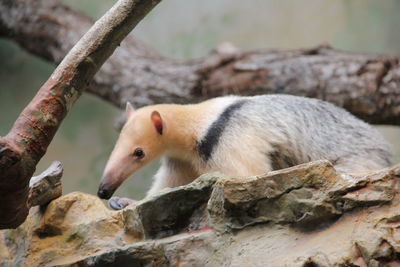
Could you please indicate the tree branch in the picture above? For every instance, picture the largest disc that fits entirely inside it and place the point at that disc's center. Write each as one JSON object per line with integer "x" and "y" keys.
{"x": 27, "y": 141}
{"x": 46, "y": 186}
{"x": 366, "y": 85}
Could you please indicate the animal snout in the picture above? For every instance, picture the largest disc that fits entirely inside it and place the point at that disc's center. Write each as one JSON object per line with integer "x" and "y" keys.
{"x": 104, "y": 193}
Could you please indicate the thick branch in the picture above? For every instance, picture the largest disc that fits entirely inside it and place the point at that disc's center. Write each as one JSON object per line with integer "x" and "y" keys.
{"x": 27, "y": 141}
{"x": 366, "y": 85}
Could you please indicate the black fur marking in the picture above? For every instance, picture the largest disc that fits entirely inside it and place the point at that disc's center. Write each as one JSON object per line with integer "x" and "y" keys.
{"x": 281, "y": 158}
{"x": 214, "y": 132}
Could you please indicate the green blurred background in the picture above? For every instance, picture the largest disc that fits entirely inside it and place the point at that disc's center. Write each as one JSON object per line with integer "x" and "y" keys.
{"x": 185, "y": 29}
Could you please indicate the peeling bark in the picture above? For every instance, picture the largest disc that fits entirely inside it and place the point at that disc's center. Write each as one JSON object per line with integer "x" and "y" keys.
{"x": 366, "y": 85}
{"x": 25, "y": 144}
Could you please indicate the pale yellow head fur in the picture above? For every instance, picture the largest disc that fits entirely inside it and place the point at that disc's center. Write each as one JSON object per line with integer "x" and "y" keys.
{"x": 158, "y": 129}
{"x": 140, "y": 142}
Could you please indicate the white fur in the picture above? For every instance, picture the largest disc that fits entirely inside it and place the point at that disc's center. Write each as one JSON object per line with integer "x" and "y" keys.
{"x": 243, "y": 150}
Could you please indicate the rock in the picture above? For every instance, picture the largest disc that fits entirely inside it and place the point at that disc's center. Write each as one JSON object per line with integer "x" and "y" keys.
{"x": 179, "y": 250}
{"x": 70, "y": 227}
{"x": 307, "y": 215}
{"x": 291, "y": 196}
{"x": 307, "y": 196}
{"x": 177, "y": 209}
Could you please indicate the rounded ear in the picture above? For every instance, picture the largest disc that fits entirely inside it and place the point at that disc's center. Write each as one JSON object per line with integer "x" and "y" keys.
{"x": 157, "y": 121}
{"x": 129, "y": 109}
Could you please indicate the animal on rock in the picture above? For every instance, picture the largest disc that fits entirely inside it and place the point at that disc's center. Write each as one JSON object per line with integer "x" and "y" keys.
{"x": 240, "y": 136}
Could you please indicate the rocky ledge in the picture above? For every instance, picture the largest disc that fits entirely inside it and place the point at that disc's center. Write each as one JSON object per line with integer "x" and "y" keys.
{"x": 307, "y": 215}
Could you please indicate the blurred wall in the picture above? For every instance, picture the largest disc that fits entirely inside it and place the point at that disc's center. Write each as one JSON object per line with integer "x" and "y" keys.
{"x": 185, "y": 29}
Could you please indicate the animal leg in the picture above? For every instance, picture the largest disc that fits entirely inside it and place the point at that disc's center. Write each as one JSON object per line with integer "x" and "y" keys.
{"x": 172, "y": 173}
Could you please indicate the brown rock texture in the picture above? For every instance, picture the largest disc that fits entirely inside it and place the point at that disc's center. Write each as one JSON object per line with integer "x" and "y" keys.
{"x": 307, "y": 215}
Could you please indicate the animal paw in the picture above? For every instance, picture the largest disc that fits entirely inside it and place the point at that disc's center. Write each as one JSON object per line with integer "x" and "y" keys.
{"x": 118, "y": 203}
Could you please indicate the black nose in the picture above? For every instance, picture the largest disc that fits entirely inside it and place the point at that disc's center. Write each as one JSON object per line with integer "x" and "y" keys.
{"x": 104, "y": 194}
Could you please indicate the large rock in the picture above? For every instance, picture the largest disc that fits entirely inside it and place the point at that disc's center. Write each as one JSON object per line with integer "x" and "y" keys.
{"x": 70, "y": 227}
{"x": 307, "y": 215}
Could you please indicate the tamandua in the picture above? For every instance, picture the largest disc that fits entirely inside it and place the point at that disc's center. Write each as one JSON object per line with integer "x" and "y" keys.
{"x": 240, "y": 136}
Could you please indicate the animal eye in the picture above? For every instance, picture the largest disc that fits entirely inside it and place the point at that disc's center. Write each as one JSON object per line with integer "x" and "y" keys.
{"x": 138, "y": 153}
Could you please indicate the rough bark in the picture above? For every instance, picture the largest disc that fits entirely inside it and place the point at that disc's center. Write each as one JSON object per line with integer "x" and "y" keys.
{"x": 366, "y": 85}
{"x": 27, "y": 141}
{"x": 46, "y": 186}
